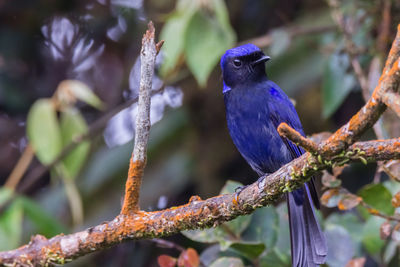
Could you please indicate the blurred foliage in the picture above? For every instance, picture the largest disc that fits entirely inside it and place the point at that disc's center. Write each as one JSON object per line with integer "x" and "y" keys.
{"x": 65, "y": 65}
{"x": 200, "y": 32}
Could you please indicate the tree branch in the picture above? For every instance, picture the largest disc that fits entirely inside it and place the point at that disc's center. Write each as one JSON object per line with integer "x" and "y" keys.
{"x": 294, "y": 31}
{"x": 288, "y": 132}
{"x": 372, "y": 110}
{"x": 138, "y": 160}
{"x": 392, "y": 100}
{"x": 195, "y": 214}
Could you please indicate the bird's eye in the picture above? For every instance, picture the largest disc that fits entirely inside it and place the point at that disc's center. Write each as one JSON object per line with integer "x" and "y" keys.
{"x": 237, "y": 63}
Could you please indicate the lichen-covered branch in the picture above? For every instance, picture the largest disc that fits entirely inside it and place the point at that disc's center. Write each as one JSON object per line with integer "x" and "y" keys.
{"x": 138, "y": 161}
{"x": 392, "y": 100}
{"x": 340, "y": 148}
{"x": 371, "y": 111}
{"x": 196, "y": 214}
{"x": 288, "y": 132}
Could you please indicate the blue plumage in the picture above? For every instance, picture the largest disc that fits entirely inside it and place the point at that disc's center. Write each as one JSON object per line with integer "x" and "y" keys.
{"x": 255, "y": 106}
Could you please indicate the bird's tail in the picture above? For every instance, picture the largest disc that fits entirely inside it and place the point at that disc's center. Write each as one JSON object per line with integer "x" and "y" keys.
{"x": 308, "y": 244}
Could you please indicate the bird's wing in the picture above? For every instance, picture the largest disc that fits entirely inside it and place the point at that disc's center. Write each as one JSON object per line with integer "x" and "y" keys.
{"x": 281, "y": 110}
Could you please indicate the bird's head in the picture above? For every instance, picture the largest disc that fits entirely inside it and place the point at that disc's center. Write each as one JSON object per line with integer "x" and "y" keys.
{"x": 242, "y": 64}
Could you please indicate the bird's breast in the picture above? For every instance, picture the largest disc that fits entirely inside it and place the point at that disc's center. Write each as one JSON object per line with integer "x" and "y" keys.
{"x": 252, "y": 130}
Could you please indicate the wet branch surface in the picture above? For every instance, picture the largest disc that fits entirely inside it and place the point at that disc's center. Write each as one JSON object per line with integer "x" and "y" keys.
{"x": 133, "y": 224}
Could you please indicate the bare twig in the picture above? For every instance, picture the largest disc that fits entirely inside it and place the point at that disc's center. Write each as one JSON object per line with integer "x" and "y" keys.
{"x": 167, "y": 244}
{"x": 148, "y": 59}
{"x": 295, "y": 31}
{"x": 20, "y": 168}
{"x": 361, "y": 76}
{"x": 384, "y": 29}
{"x": 391, "y": 175}
{"x": 138, "y": 161}
{"x": 285, "y": 130}
{"x": 376, "y": 212}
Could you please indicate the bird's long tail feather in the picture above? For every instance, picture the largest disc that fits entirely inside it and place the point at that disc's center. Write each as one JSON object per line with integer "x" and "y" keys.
{"x": 308, "y": 244}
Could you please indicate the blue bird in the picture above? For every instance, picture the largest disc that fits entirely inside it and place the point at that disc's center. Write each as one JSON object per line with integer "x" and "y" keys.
{"x": 255, "y": 106}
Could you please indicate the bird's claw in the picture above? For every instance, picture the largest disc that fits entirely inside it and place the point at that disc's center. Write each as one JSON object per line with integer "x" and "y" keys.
{"x": 238, "y": 190}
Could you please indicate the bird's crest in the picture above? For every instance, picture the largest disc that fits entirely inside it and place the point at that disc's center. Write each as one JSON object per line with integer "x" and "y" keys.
{"x": 239, "y": 51}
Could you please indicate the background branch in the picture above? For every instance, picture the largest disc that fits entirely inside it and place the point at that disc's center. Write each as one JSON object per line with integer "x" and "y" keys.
{"x": 294, "y": 31}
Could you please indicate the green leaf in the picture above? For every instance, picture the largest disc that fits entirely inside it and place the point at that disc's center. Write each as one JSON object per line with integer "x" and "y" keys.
{"x": 378, "y": 197}
{"x": 221, "y": 234}
{"x": 337, "y": 83}
{"x": 222, "y": 15}
{"x": 72, "y": 126}
{"x": 279, "y": 254}
{"x": 283, "y": 242}
{"x": 11, "y": 226}
{"x": 5, "y": 195}
{"x": 248, "y": 250}
{"x": 338, "y": 255}
{"x": 173, "y": 35}
{"x": 47, "y": 225}
{"x": 43, "y": 131}
{"x": 349, "y": 221}
{"x": 392, "y": 186}
{"x": 209, "y": 235}
{"x": 390, "y": 251}
{"x": 81, "y": 91}
{"x": 205, "y": 41}
{"x": 227, "y": 262}
{"x": 210, "y": 254}
{"x": 363, "y": 212}
{"x": 263, "y": 227}
{"x": 186, "y": 5}
{"x": 371, "y": 237}
{"x": 274, "y": 258}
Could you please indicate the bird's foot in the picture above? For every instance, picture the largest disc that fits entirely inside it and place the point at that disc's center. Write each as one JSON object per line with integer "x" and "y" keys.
{"x": 238, "y": 190}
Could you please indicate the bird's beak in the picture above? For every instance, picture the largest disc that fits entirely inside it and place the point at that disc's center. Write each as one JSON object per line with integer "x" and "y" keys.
{"x": 261, "y": 60}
